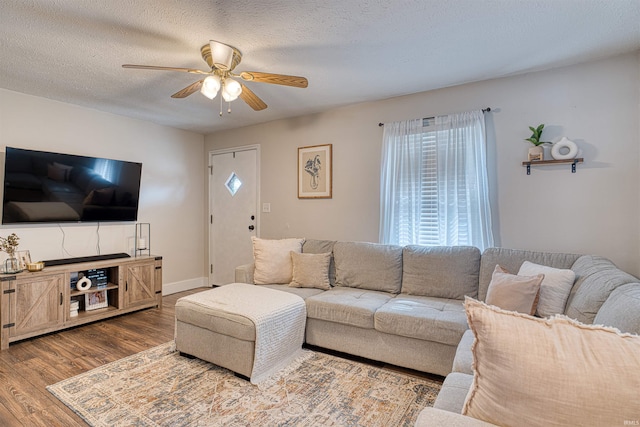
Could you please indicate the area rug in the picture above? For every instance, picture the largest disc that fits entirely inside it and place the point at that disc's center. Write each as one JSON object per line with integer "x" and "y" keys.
{"x": 158, "y": 387}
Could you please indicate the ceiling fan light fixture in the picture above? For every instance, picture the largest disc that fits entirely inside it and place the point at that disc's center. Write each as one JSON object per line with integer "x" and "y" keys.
{"x": 231, "y": 90}
{"x": 210, "y": 86}
{"x": 221, "y": 55}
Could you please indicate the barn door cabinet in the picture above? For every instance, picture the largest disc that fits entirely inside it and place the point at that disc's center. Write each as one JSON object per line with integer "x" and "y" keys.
{"x": 33, "y": 304}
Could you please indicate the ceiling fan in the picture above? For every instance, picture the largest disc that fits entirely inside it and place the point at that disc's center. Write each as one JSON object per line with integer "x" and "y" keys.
{"x": 222, "y": 60}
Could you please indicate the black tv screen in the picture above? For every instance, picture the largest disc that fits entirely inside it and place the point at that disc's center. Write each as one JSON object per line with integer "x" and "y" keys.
{"x": 42, "y": 187}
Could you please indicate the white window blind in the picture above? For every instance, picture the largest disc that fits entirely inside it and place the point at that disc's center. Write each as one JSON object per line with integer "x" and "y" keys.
{"x": 434, "y": 185}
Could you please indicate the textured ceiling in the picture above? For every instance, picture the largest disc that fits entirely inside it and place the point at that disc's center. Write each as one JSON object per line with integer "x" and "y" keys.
{"x": 351, "y": 51}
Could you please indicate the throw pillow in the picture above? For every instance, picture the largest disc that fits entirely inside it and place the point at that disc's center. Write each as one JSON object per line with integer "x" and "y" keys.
{"x": 310, "y": 270}
{"x": 272, "y": 260}
{"x": 550, "y": 372}
{"x": 511, "y": 292}
{"x": 555, "y": 288}
{"x": 55, "y": 173}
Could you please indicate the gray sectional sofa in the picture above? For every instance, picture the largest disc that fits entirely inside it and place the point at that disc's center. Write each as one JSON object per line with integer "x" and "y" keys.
{"x": 602, "y": 295}
{"x": 399, "y": 305}
{"x": 404, "y": 305}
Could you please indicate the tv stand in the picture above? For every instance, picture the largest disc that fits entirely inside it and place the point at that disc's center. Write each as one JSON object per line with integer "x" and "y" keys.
{"x": 37, "y": 303}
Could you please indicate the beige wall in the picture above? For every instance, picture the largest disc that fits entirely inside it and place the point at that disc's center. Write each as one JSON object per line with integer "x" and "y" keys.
{"x": 172, "y": 190}
{"x": 593, "y": 211}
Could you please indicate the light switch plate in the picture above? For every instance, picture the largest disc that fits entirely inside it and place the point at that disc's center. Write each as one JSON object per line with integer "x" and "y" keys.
{"x": 266, "y": 207}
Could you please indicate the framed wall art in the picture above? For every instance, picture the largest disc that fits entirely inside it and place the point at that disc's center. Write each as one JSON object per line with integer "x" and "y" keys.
{"x": 314, "y": 172}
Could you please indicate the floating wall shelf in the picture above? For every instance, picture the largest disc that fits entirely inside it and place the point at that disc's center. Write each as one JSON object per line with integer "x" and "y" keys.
{"x": 572, "y": 162}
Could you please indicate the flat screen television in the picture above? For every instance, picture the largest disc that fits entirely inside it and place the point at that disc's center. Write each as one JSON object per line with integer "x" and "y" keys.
{"x": 41, "y": 187}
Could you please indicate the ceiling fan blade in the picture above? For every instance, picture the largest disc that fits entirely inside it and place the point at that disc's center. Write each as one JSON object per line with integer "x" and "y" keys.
{"x": 153, "y": 67}
{"x": 252, "y": 99}
{"x": 276, "y": 79}
{"x": 194, "y": 87}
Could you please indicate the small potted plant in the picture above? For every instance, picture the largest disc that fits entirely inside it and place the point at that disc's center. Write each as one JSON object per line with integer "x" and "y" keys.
{"x": 536, "y": 153}
{"x": 9, "y": 245}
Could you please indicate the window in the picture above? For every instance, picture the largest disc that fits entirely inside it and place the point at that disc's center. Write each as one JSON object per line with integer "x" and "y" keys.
{"x": 434, "y": 185}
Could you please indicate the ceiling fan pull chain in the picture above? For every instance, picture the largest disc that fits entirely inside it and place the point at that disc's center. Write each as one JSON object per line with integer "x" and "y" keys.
{"x": 229, "y": 110}
{"x": 220, "y": 106}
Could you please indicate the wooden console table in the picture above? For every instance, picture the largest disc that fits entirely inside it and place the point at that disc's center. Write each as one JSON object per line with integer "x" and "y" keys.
{"x": 33, "y": 304}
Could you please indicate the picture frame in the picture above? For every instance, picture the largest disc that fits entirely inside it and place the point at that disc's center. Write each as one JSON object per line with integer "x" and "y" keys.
{"x": 315, "y": 174}
{"x": 96, "y": 300}
{"x": 24, "y": 258}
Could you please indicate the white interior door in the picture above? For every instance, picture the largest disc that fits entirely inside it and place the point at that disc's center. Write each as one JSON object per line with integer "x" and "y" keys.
{"x": 233, "y": 196}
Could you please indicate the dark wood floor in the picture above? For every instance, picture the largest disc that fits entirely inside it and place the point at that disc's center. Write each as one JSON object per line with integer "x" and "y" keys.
{"x": 27, "y": 367}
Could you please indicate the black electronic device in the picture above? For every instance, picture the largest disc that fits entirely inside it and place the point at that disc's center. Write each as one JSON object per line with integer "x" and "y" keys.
{"x": 90, "y": 258}
{"x": 41, "y": 187}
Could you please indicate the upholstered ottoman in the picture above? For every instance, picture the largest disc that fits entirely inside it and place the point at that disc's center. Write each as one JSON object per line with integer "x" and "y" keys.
{"x": 248, "y": 329}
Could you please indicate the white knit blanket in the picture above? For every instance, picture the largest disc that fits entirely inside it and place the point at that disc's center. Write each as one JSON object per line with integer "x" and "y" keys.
{"x": 279, "y": 319}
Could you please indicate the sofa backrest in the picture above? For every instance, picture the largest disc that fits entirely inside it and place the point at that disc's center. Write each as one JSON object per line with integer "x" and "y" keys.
{"x": 512, "y": 259}
{"x": 440, "y": 271}
{"x": 313, "y": 246}
{"x": 596, "y": 279}
{"x": 372, "y": 266}
{"x": 622, "y": 309}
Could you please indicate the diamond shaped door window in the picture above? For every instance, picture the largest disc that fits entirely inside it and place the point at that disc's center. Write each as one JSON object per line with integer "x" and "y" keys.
{"x": 233, "y": 183}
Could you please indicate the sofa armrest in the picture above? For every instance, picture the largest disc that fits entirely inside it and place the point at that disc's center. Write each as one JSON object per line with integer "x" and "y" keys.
{"x": 463, "y": 361}
{"x": 244, "y": 273}
{"x": 438, "y": 417}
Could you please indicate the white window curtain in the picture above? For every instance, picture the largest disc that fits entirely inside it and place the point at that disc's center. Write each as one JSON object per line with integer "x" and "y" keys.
{"x": 434, "y": 186}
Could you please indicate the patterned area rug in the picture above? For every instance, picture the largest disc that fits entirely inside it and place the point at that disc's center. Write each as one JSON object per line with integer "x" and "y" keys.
{"x": 158, "y": 387}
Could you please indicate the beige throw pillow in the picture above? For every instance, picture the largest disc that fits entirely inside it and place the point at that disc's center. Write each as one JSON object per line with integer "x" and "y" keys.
{"x": 550, "y": 372}
{"x": 555, "y": 288}
{"x": 272, "y": 260}
{"x": 515, "y": 293}
{"x": 310, "y": 270}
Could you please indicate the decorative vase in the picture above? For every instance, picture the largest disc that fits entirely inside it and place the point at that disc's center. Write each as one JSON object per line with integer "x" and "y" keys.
{"x": 11, "y": 265}
{"x": 564, "y": 149}
{"x": 536, "y": 153}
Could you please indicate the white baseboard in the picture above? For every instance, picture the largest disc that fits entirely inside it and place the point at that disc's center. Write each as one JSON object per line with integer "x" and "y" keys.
{"x": 184, "y": 285}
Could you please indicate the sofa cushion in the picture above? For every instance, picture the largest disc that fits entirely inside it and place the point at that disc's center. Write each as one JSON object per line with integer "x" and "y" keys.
{"x": 426, "y": 318}
{"x": 440, "y": 271}
{"x": 310, "y": 270}
{"x": 622, "y": 309}
{"x": 303, "y": 293}
{"x": 348, "y": 306}
{"x": 512, "y": 259}
{"x": 514, "y": 292}
{"x": 597, "y": 278}
{"x": 314, "y": 246}
{"x": 430, "y": 417}
{"x": 555, "y": 289}
{"x": 552, "y": 371}
{"x": 454, "y": 391}
{"x": 368, "y": 266}
{"x": 272, "y": 259}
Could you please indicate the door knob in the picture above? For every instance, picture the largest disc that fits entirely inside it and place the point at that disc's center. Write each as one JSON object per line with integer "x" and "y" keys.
{"x": 251, "y": 227}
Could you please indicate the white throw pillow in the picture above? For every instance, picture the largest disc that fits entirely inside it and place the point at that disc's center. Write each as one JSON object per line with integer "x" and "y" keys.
{"x": 555, "y": 288}
{"x": 311, "y": 270}
{"x": 550, "y": 372}
{"x": 272, "y": 259}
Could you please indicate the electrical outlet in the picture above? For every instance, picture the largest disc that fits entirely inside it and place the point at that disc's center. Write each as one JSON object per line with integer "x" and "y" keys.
{"x": 266, "y": 207}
